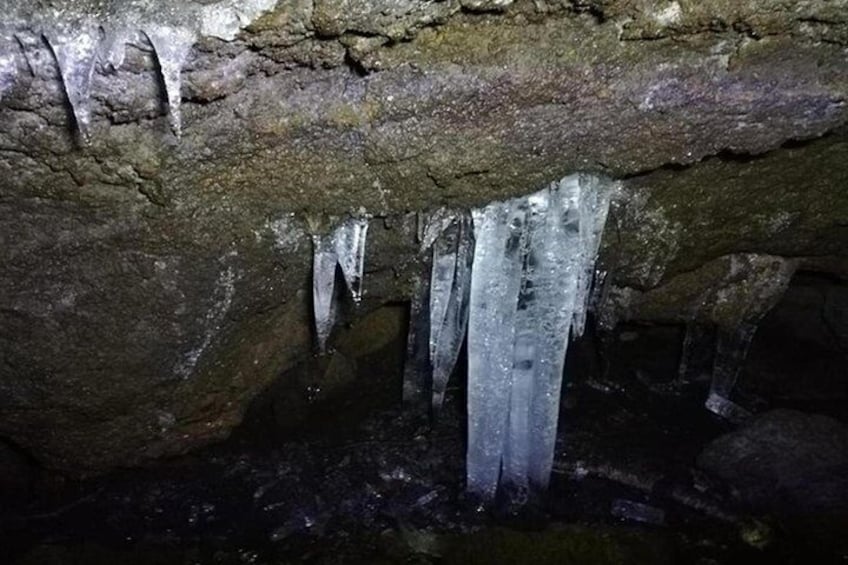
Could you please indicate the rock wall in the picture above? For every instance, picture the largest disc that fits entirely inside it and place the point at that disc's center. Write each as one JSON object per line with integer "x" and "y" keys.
{"x": 151, "y": 286}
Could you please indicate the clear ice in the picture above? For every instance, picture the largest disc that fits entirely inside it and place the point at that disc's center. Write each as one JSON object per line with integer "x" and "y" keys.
{"x": 531, "y": 277}
{"x": 450, "y": 284}
{"x": 172, "y": 46}
{"x": 349, "y": 245}
{"x": 439, "y": 311}
{"x": 8, "y": 63}
{"x": 76, "y": 53}
{"x": 752, "y": 286}
{"x": 344, "y": 249}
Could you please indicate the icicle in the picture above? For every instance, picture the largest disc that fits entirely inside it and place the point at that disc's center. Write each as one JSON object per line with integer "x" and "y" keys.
{"x": 417, "y": 373}
{"x": 349, "y": 244}
{"x": 562, "y": 288}
{"x": 75, "y": 54}
{"x": 694, "y": 351}
{"x": 171, "y": 46}
{"x": 324, "y": 263}
{"x": 344, "y": 248}
{"x": 755, "y": 284}
{"x": 593, "y": 210}
{"x": 452, "y": 253}
{"x": 8, "y": 65}
{"x": 495, "y": 284}
{"x": 530, "y": 284}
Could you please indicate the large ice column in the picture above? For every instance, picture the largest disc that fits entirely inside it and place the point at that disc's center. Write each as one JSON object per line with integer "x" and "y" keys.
{"x": 533, "y": 262}
{"x": 495, "y": 284}
{"x": 76, "y": 52}
{"x": 344, "y": 249}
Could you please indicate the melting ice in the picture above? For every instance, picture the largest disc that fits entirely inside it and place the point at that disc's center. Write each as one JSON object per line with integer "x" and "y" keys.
{"x": 343, "y": 249}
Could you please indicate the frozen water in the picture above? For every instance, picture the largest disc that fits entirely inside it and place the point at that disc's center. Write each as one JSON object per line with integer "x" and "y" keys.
{"x": 730, "y": 353}
{"x": 171, "y": 46}
{"x": 72, "y": 28}
{"x": 76, "y": 53}
{"x": 531, "y": 278}
{"x": 324, "y": 264}
{"x": 754, "y": 283}
{"x": 439, "y": 311}
{"x": 495, "y": 284}
{"x": 417, "y": 374}
{"x": 349, "y": 244}
{"x": 730, "y": 411}
{"x": 694, "y": 351}
{"x": 450, "y": 284}
{"x": 344, "y": 249}
{"x": 8, "y": 66}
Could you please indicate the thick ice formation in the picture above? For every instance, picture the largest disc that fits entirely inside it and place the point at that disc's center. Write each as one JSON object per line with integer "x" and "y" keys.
{"x": 531, "y": 277}
{"x": 81, "y": 31}
{"x": 344, "y": 249}
{"x": 518, "y": 274}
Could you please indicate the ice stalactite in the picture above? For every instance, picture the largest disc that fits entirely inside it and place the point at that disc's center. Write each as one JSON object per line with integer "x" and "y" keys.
{"x": 324, "y": 265}
{"x": 8, "y": 65}
{"x": 172, "y": 46}
{"x": 72, "y": 29}
{"x": 76, "y": 53}
{"x": 450, "y": 284}
{"x": 349, "y": 245}
{"x": 417, "y": 374}
{"x": 531, "y": 277}
{"x": 344, "y": 249}
{"x": 759, "y": 281}
{"x": 731, "y": 311}
{"x": 439, "y": 311}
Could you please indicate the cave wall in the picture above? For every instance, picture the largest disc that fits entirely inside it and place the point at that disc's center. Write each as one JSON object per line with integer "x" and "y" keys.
{"x": 152, "y": 286}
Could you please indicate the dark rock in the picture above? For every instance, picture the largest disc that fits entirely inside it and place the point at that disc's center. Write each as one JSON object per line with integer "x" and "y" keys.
{"x": 792, "y": 465}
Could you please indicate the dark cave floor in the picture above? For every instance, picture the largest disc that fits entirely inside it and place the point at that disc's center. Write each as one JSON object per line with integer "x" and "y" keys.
{"x": 387, "y": 488}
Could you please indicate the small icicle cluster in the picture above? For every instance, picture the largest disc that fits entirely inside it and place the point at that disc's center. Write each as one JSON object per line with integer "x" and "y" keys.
{"x": 343, "y": 249}
{"x": 80, "y": 34}
{"x": 439, "y": 309}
